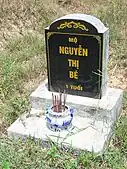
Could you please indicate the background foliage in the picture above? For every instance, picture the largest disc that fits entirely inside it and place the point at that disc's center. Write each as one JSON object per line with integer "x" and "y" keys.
{"x": 23, "y": 67}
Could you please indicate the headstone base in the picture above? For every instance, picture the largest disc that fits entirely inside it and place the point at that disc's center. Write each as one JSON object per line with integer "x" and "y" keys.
{"x": 91, "y": 126}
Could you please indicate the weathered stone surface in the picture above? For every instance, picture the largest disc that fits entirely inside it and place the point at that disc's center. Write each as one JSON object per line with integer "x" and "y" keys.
{"x": 107, "y": 108}
{"x": 84, "y": 134}
{"x": 92, "y": 124}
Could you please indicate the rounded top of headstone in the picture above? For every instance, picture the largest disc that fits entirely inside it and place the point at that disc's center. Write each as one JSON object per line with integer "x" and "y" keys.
{"x": 95, "y": 22}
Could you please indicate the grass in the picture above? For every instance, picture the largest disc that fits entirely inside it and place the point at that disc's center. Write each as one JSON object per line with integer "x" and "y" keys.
{"x": 22, "y": 68}
{"x": 30, "y": 154}
{"x": 17, "y": 69}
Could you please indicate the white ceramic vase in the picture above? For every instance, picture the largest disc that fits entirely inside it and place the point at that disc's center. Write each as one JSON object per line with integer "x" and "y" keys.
{"x": 57, "y": 121}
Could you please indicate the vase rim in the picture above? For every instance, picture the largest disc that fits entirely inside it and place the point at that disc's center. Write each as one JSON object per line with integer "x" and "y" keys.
{"x": 64, "y": 113}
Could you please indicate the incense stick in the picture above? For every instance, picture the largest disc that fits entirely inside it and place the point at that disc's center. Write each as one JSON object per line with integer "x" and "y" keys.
{"x": 59, "y": 102}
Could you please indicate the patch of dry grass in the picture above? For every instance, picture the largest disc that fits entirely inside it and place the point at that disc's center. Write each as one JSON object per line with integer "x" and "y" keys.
{"x": 19, "y": 17}
{"x": 22, "y": 68}
{"x": 113, "y": 14}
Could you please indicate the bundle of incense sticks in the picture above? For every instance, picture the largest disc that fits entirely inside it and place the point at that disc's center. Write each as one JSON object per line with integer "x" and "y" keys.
{"x": 59, "y": 102}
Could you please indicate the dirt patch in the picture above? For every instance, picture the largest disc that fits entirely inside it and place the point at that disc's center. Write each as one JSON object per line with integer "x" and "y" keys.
{"x": 34, "y": 83}
{"x": 118, "y": 78}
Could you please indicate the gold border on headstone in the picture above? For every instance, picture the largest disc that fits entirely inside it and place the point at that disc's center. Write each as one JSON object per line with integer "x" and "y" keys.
{"x": 97, "y": 37}
{"x": 72, "y": 24}
{"x": 49, "y": 34}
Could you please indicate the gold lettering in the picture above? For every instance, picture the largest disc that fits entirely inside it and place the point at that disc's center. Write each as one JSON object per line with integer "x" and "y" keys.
{"x": 74, "y": 40}
{"x": 71, "y": 51}
{"x": 73, "y": 63}
{"x": 74, "y": 87}
{"x": 69, "y": 62}
{"x": 85, "y": 52}
{"x": 66, "y": 86}
{"x": 79, "y": 51}
{"x": 77, "y": 64}
{"x": 73, "y": 74}
{"x": 75, "y": 51}
{"x": 70, "y": 39}
{"x": 66, "y": 51}
{"x": 61, "y": 49}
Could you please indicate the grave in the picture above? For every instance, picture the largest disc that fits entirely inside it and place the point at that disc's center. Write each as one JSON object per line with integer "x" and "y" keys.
{"x": 77, "y": 54}
{"x": 77, "y": 48}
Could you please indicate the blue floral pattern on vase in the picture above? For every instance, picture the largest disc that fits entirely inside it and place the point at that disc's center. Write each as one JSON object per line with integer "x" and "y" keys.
{"x": 59, "y": 121}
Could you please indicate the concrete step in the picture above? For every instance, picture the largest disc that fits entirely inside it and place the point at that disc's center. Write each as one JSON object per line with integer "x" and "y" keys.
{"x": 85, "y": 134}
{"x": 91, "y": 127}
{"x": 107, "y": 108}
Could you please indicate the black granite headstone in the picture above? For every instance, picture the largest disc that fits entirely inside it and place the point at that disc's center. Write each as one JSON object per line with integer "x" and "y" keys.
{"x": 77, "y": 51}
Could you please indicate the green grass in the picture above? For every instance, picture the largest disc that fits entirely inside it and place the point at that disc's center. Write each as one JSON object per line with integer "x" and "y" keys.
{"x": 16, "y": 62}
{"x": 29, "y": 154}
{"x": 17, "y": 69}
{"x": 23, "y": 66}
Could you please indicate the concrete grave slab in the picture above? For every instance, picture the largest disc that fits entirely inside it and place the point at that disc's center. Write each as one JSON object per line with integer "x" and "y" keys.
{"x": 107, "y": 108}
{"x": 84, "y": 133}
{"x": 92, "y": 123}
